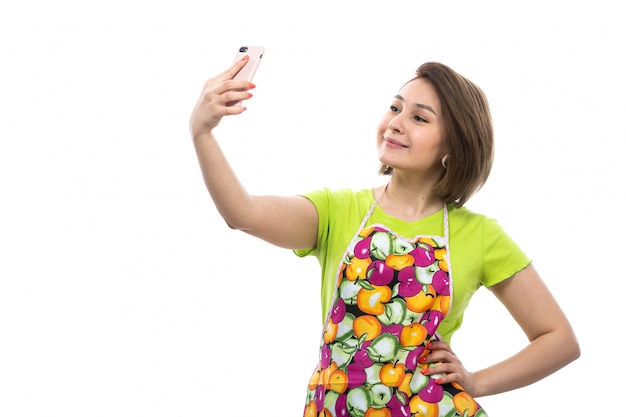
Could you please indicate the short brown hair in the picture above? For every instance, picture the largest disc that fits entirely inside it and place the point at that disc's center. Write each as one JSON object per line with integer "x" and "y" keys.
{"x": 468, "y": 129}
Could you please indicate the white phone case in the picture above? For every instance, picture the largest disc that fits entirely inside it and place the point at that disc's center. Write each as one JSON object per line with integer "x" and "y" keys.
{"x": 255, "y": 53}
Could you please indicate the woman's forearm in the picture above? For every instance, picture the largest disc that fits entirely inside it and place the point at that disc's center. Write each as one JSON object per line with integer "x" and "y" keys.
{"x": 229, "y": 195}
{"x": 542, "y": 357}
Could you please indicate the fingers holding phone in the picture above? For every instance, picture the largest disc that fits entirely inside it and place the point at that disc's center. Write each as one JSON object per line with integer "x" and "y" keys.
{"x": 251, "y": 56}
{"x": 223, "y": 94}
{"x": 236, "y": 85}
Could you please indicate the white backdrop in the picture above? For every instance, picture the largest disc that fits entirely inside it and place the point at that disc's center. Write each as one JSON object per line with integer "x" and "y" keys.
{"x": 123, "y": 293}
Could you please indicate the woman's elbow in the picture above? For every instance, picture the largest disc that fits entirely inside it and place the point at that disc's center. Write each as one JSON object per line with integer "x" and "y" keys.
{"x": 569, "y": 347}
{"x": 574, "y": 349}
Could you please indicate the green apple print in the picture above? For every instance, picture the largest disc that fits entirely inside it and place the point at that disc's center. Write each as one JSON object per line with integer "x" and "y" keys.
{"x": 402, "y": 247}
{"x": 380, "y": 246}
{"x": 372, "y": 323}
{"x": 446, "y": 406}
{"x": 425, "y": 275}
{"x": 381, "y": 394}
{"x": 418, "y": 382}
{"x": 395, "y": 312}
{"x": 345, "y": 330}
{"x": 372, "y": 374}
{"x": 359, "y": 400}
{"x": 384, "y": 348}
{"x": 342, "y": 354}
{"x": 348, "y": 291}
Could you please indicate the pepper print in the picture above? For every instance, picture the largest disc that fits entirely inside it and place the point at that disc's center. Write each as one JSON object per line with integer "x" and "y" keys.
{"x": 391, "y": 295}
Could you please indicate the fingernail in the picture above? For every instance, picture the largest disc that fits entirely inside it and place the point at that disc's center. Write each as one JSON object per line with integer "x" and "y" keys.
{"x": 429, "y": 345}
{"x": 245, "y": 108}
{"x": 245, "y": 58}
{"x": 251, "y": 86}
{"x": 438, "y": 380}
{"x": 249, "y": 95}
{"x": 423, "y": 359}
{"x": 424, "y": 371}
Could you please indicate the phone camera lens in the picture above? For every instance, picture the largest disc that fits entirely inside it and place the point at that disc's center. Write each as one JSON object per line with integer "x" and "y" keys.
{"x": 243, "y": 49}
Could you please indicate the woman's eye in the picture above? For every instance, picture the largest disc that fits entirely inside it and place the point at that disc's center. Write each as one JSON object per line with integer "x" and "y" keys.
{"x": 394, "y": 108}
{"x": 420, "y": 119}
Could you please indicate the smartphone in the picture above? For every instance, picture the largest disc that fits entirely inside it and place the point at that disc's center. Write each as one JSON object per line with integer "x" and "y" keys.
{"x": 255, "y": 54}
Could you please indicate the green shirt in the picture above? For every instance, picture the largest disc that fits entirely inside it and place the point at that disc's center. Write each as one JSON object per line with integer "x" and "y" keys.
{"x": 480, "y": 252}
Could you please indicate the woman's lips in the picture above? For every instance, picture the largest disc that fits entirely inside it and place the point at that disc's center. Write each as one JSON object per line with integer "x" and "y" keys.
{"x": 394, "y": 143}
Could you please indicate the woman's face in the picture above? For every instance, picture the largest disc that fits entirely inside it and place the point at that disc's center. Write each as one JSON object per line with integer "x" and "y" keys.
{"x": 410, "y": 134}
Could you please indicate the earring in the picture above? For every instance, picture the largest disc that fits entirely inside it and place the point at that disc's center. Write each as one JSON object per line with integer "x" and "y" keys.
{"x": 444, "y": 161}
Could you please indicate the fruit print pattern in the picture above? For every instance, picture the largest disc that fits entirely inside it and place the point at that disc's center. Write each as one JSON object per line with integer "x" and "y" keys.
{"x": 391, "y": 295}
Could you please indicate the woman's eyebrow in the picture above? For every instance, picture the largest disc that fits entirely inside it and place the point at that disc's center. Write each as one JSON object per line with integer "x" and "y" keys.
{"x": 420, "y": 105}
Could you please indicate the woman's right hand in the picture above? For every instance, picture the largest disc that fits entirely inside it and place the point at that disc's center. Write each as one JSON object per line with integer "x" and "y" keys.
{"x": 213, "y": 102}
{"x": 285, "y": 221}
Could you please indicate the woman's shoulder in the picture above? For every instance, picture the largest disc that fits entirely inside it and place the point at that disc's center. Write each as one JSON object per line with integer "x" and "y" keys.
{"x": 470, "y": 225}
{"x": 467, "y": 218}
{"x": 342, "y": 196}
{"x": 465, "y": 213}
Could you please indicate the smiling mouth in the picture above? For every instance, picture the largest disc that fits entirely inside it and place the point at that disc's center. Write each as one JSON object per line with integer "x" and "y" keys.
{"x": 395, "y": 143}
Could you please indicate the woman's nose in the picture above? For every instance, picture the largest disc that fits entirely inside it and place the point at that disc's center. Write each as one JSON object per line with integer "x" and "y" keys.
{"x": 395, "y": 123}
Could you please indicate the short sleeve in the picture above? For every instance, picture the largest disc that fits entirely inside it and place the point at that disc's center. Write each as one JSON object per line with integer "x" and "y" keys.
{"x": 503, "y": 258}
{"x": 321, "y": 201}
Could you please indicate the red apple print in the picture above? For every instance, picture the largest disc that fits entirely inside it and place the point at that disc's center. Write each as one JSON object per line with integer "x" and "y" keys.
{"x": 394, "y": 329}
{"x": 361, "y": 357}
{"x": 413, "y": 357}
{"x": 424, "y": 254}
{"x": 396, "y": 406}
{"x": 431, "y": 393}
{"x": 431, "y": 320}
{"x": 320, "y": 393}
{"x": 379, "y": 273}
{"x": 341, "y": 406}
{"x": 338, "y": 312}
{"x": 441, "y": 283}
{"x": 325, "y": 356}
{"x": 362, "y": 248}
{"x": 356, "y": 375}
{"x": 409, "y": 285}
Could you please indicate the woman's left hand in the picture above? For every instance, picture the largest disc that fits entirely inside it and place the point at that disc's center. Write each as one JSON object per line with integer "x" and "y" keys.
{"x": 445, "y": 362}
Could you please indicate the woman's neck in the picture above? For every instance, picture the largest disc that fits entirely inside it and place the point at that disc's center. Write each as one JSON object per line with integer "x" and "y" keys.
{"x": 408, "y": 201}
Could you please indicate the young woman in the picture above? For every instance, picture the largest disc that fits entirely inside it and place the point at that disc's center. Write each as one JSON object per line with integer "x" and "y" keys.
{"x": 400, "y": 262}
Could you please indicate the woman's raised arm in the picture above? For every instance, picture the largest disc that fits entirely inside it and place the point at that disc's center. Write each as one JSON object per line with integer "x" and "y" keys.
{"x": 286, "y": 221}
